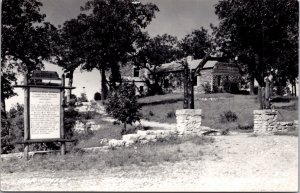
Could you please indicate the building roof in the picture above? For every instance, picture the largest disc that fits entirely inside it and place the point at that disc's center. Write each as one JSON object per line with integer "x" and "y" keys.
{"x": 225, "y": 68}
{"x": 177, "y": 66}
{"x": 218, "y": 67}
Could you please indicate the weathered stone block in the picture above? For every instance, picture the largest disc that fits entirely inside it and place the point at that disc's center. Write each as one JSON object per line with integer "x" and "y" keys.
{"x": 131, "y": 137}
{"x": 296, "y": 124}
{"x": 265, "y": 121}
{"x": 188, "y": 120}
{"x": 116, "y": 143}
{"x": 151, "y": 138}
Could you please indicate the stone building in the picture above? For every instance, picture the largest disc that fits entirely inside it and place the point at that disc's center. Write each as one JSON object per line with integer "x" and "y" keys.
{"x": 137, "y": 75}
{"x": 215, "y": 76}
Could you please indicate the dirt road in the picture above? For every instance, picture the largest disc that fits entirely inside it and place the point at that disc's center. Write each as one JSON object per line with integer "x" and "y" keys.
{"x": 232, "y": 163}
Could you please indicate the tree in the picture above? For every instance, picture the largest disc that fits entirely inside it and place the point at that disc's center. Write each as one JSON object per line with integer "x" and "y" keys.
{"x": 263, "y": 34}
{"x": 97, "y": 96}
{"x": 69, "y": 53}
{"x": 123, "y": 106}
{"x": 111, "y": 27}
{"x": 25, "y": 41}
{"x": 83, "y": 97}
{"x": 153, "y": 52}
{"x": 196, "y": 44}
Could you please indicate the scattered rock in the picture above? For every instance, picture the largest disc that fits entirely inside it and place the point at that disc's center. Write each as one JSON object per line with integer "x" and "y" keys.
{"x": 131, "y": 137}
{"x": 103, "y": 141}
{"x": 116, "y": 143}
{"x": 79, "y": 126}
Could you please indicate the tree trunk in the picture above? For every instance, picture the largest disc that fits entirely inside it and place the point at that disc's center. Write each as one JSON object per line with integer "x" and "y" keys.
{"x": 103, "y": 85}
{"x": 123, "y": 132}
{"x": 186, "y": 88}
{"x": 3, "y": 109}
{"x": 69, "y": 93}
{"x": 115, "y": 76}
{"x": 251, "y": 84}
{"x": 295, "y": 88}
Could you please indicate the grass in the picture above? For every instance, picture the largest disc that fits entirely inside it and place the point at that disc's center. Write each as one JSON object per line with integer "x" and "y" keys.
{"x": 241, "y": 105}
{"x": 288, "y": 133}
{"x": 178, "y": 149}
{"x": 108, "y": 131}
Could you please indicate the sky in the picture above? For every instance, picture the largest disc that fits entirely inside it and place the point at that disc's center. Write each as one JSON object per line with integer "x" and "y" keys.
{"x": 176, "y": 17}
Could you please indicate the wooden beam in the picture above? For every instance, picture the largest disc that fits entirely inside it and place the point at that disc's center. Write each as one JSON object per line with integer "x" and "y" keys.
{"x": 62, "y": 129}
{"x": 43, "y": 86}
{"x": 26, "y": 117}
{"x": 30, "y": 141}
{"x": 202, "y": 63}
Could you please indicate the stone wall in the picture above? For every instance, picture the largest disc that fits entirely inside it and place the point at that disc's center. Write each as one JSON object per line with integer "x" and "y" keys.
{"x": 188, "y": 121}
{"x": 265, "y": 121}
{"x": 232, "y": 78}
{"x": 285, "y": 126}
{"x": 205, "y": 77}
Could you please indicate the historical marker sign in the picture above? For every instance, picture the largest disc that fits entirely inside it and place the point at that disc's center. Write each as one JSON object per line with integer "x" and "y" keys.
{"x": 44, "y": 110}
{"x": 44, "y": 113}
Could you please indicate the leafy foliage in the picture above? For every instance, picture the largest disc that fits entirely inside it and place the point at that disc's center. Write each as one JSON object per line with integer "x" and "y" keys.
{"x": 228, "y": 116}
{"x": 110, "y": 28}
{"x": 171, "y": 114}
{"x": 82, "y": 98}
{"x": 97, "y": 96}
{"x": 263, "y": 34}
{"x": 153, "y": 52}
{"x": 12, "y": 129}
{"x": 25, "y": 41}
{"x": 206, "y": 87}
{"x": 122, "y": 105}
{"x": 25, "y": 37}
{"x": 196, "y": 44}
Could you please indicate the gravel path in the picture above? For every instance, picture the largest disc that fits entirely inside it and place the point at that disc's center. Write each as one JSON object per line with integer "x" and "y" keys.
{"x": 232, "y": 163}
{"x": 147, "y": 123}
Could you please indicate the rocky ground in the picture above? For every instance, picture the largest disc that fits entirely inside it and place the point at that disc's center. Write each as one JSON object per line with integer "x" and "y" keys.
{"x": 233, "y": 163}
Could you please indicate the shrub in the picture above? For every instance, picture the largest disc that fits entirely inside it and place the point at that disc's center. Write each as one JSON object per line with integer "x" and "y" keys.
{"x": 13, "y": 130}
{"x": 122, "y": 105}
{"x": 151, "y": 113}
{"x": 228, "y": 116}
{"x": 171, "y": 114}
{"x": 82, "y": 98}
{"x": 207, "y": 88}
{"x": 246, "y": 127}
{"x": 97, "y": 96}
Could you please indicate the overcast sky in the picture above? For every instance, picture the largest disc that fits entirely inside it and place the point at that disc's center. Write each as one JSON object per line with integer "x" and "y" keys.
{"x": 176, "y": 17}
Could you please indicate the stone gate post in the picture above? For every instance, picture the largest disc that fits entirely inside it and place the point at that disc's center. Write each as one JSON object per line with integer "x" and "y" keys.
{"x": 188, "y": 121}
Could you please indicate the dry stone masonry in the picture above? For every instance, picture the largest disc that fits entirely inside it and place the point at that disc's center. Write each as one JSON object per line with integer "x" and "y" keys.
{"x": 188, "y": 121}
{"x": 265, "y": 121}
{"x": 142, "y": 137}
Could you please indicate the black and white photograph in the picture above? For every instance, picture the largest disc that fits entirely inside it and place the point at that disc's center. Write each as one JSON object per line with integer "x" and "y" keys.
{"x": 149, "y": 95}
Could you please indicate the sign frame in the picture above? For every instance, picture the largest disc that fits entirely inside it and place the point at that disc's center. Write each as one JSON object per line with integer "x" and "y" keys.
{"x": 27, "y": 138}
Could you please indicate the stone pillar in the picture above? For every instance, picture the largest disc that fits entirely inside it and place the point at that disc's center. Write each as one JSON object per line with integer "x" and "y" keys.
{"x": 296, "y": 124}
{"x": 265, "y": 121}
{"x": 188, "y": 121}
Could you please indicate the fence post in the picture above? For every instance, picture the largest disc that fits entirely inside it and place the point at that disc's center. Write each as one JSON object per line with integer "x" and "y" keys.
{"x": 267, "y": 94}
{"x": 62, "y": 129}
{"x": 259, "y": 95}
{"x": 191, "y": 86}
{"x": 186, "y": 85}
{"x": 26, "y": 117}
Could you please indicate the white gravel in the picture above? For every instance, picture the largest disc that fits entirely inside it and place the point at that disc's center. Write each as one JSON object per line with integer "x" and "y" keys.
{"x": 232, "y": 163}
